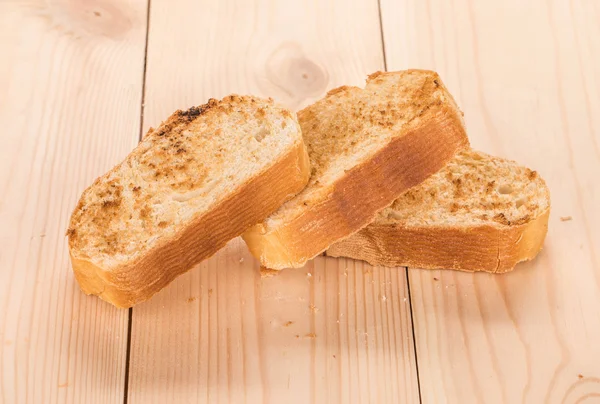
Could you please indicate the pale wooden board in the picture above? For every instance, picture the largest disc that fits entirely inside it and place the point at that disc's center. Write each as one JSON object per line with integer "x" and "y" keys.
{"x": 220, "y": 333}
{"x": 70, "y": 89}
{"x": 527, "y": 75}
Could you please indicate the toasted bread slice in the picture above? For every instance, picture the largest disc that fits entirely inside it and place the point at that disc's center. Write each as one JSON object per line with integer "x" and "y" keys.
{"x": 366, "y": 147}
{"x": 197, "y": 181}
{"x": 479, "y": 213}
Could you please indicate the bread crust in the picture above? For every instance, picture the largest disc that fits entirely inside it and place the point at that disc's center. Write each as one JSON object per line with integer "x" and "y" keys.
{"x": 490, "y": 248}
{"x": 365, "y": 189}
{"x": 137, "y": 281}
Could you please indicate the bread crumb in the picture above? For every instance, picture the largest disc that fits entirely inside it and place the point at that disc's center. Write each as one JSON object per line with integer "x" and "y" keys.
{"x": 297, "y": 336}
{"x": 580, "y": 376}
{"x": 210, "y": 292}
{"x": 241, "y": 260}
{"x": 368, "y": 271}
{"x": 288, "y": 323}
{"x": 268, "y": 273}
{"x": 309, "y": 274}
{"x": 65, "y": 384}
{"x": 191, "y": 299}
{"x": 313, "y": 308}
{"x": 565, "y": 218}
{"x": 310, "y": 335}
{"x": 436, "y": 279}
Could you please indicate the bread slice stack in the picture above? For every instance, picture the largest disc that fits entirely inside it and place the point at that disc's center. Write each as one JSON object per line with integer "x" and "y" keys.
{"x": 382, "y": 173}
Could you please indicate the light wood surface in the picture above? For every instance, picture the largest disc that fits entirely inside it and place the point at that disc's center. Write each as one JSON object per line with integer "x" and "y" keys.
{"x": 527, "y": 76}
{"x": 70, "y": 88}
{"x": 335, "y": 331}
{"x": 74, "y": 79}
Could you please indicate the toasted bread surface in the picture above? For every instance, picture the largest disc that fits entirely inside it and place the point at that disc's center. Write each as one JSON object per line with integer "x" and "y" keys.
{"x": 198, "y": 180}
{"x": 479, "y": 213}
{"x": 366, "y": 147}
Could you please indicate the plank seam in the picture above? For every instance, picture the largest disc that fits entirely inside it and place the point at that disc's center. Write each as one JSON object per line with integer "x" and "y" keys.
{"x": 414, "y": 338}
{"x": 140, "y": 135}
{"x": 381, "y": 34}
{"x": 412, "y": 323}
{"x": 127, "y": 355}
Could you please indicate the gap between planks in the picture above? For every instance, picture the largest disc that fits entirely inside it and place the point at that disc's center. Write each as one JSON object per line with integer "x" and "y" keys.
{"x": 140, "y": 136}
{"x": 410, "y": 308}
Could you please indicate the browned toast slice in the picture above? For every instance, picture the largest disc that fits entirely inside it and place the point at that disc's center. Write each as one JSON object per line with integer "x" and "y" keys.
{"x": 200, "y": 179}
{"x": 366, "y": 147}
{"x": 479, "y": 213}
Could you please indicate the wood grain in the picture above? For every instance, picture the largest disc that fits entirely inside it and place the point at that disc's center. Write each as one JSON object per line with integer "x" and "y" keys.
{"x": 223, "y": 333}
{"x": 526, "y": 76}
{"x": 70, "y": 85}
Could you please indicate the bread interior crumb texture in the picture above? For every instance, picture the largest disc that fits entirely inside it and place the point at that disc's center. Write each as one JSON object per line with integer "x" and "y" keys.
{"x": 473, "y": 189}
{"x": 188, "y": 164}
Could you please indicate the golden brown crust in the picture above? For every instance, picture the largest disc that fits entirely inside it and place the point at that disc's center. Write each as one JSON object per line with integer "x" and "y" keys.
{"x": 490, "y": 248}
{"x": 362, "y": 192}
{"x": 139, "y": 280}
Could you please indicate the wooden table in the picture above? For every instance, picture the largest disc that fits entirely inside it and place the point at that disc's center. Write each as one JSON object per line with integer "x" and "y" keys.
{"x": 80, "y": 81}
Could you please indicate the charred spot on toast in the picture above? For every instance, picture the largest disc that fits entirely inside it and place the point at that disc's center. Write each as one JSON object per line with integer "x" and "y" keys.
{"x": 501, "y": 218}
{"x": 193, "y": 112}
{"x": 71, "y": 233}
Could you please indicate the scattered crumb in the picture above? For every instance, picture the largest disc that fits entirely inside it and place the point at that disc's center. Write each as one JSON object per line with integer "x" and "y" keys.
{"x": 309, "y": 274}
{"x": 268, "y": 273}
{"x": 209, "y": 292}
{"x": 310, "y": 335}
{"x": 436, "y": 279}
{"x": 333, "y": 356}
{"x": 304, "y": 75}
{"x": 97, "y": 13}
{"x": 565, "y": 218}
{"x": 65, "y": 384}
{"x": 191, "y": 299}
{"x": 404, "y": 300}
{"x": 383, "y": 298}
{"x": 368, "y": 271}
{"x": 297, "y": 336}
{"x": 241, "y": 260}
{"x": 288, "y": 323}
{"x": 580, "y": 376}
{"x": 313, "y": 308}
{"x": 42, "y": 235}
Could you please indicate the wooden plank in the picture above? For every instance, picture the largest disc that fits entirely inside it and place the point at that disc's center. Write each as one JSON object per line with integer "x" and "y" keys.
{"x": 221, "y": 333}
{"x": 527, "y": 77}
{"x": 70, "y": 90}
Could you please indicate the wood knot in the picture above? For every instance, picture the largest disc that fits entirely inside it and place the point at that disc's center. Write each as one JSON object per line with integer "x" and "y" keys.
{"x": 292, "y": 76}
{"x": 107, "y": 18}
